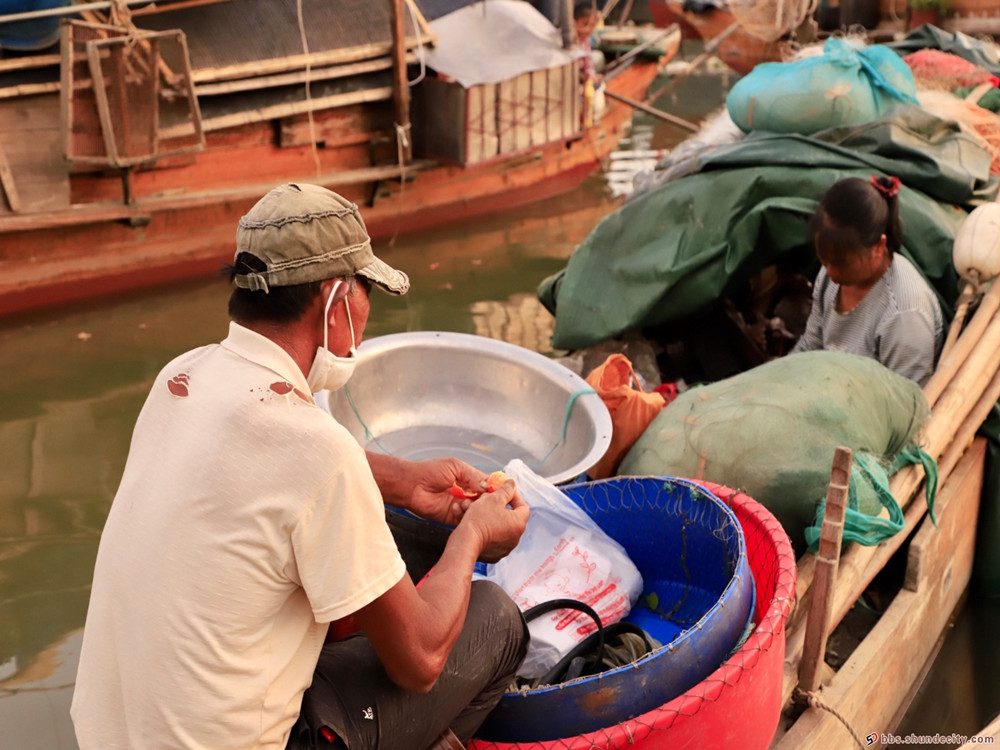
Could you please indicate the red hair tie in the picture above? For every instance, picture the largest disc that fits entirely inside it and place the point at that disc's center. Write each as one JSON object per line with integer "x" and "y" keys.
{"x": 890, "y": 191}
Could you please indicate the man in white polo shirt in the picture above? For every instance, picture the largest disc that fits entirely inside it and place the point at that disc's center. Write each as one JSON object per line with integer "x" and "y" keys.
{"x": 247, "y": 520}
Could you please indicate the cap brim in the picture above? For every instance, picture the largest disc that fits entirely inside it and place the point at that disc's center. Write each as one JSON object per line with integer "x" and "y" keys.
{"x": 386, "y": 277}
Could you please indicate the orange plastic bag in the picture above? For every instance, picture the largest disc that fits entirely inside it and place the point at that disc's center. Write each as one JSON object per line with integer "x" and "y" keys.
{"x": 631, "y": 408}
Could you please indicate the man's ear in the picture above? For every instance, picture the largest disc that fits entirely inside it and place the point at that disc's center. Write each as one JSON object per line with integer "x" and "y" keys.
{"x": 339, "y": 287}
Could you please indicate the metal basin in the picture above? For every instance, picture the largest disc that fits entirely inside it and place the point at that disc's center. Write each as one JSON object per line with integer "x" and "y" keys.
{"x": 431, "y": 394}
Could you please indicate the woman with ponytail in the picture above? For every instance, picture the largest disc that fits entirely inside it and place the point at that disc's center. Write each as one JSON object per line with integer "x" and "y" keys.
{"x": 867, "y": 299}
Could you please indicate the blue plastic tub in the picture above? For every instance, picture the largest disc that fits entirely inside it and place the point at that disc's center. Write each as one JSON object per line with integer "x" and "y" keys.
{"x": 691, "y": 551}
{"x": 32, "y": 34}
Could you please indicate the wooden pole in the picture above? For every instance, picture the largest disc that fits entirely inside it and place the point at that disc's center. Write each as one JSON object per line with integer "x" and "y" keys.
{"x": 827, "y": 559}
{"x": 566, "y": 25}
{"x": 63, "y": 10}
{"x": 706, "y": 53}
{"x": 965, "y": 298}
{"x": 653, "y": 111}
{"x": 400, "y": 83}
{"x": 948, "y": 365}
{"x": 626, "y": 12}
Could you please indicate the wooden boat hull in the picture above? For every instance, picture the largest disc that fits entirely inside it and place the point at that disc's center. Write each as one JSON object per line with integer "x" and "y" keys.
{"x": 181, "y": 220}
{"x": 873, "y": 689}
{"x": 740, "y": 50}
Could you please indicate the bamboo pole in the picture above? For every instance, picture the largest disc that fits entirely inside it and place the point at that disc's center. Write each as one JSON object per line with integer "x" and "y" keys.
{"x": 400, "y": 84}
{"x": 640, "y": 48}
{"x": 153, "y": 9}
{"x": 827, "y": 558}
{"x": 708, "y": 51}
{"x": 63, "y": 10}
{"x": 965, "y": 298}
{"x": 26, "y": 63}
{"x": 626, "y": 12}
{"x": 966, "y": 341}
{"x": 672, "y": 119}
{"x": 29, "y": 89}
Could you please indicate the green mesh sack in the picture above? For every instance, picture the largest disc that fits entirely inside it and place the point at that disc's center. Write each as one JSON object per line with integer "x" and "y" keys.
{"x": 772, "y": 431}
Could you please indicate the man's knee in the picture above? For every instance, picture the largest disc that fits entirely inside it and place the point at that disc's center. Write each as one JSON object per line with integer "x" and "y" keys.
{"x": 492, "y": 602}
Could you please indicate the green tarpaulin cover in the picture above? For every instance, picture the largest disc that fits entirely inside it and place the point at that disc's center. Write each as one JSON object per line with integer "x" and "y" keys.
{"x": 680, "y": 247}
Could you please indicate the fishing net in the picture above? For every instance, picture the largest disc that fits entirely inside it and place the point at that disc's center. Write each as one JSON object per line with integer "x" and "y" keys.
{"x": 772, "y": 432}
{"x": 936, "y": 69}
{"x": 976, "y": 121}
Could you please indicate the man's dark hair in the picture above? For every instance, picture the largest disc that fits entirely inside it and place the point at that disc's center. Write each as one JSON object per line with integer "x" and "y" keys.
{"x": 281, "y": 304}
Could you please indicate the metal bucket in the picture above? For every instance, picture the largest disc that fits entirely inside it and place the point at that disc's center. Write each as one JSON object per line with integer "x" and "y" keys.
{"x": 432, "y": 394}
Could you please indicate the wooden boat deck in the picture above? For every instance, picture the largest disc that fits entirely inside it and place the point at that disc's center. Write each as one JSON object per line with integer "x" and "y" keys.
{"x": 30, "y": 140}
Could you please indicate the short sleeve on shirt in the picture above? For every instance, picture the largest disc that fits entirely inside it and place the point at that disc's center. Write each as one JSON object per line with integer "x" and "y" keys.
{"x": 344, "y": 551}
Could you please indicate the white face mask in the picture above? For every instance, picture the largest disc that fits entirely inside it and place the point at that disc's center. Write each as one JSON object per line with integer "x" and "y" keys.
{"x": 328, "y": 371}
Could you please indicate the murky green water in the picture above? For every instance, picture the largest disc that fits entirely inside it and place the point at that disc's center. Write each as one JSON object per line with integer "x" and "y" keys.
{"x": 73, "y": 382}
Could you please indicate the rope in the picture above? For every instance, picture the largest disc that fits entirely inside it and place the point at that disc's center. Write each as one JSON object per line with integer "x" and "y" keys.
{"x": 120, "y": 15}
{"x": 867, "y": 471}
{"x": 309, "y": 109}
{"x": 814, "y": 701}
{"x": 569, "y": 406}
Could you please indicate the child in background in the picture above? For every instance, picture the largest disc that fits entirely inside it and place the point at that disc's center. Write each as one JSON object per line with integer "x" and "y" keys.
{"x": 585, "y": 19}
{"x": 867, "y": 298}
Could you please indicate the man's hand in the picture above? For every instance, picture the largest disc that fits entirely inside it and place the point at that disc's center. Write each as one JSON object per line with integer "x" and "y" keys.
{"x": 433, "y": 492}
{"x": 498, "y": 526}
{"x": 425, "y": 487}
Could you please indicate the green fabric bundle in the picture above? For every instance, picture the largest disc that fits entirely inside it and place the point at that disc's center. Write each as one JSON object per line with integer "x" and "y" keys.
{"x": 678, "y": 249}
{"x": 771, "y": 432}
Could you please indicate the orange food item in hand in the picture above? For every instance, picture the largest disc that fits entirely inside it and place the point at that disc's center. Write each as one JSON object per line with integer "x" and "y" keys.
{"x": 494, "y": 481}
{"x": 460, "y": 494}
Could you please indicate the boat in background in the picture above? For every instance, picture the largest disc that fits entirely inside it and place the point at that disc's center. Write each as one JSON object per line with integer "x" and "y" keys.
{"x": 128, "y": 155}
{"x": 742, "y": 45}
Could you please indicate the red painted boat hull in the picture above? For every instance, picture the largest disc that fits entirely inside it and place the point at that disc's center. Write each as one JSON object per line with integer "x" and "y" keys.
{"x": 182, "y": 221}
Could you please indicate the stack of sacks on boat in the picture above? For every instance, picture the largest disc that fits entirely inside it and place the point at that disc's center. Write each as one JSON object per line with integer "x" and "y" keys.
{"x": 771, "y": 431}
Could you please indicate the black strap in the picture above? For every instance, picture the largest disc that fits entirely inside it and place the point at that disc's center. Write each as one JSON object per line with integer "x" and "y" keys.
{"x": 573, "y": 664}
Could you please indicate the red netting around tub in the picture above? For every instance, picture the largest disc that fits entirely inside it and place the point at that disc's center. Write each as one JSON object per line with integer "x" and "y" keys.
{"x": 740, "y": 703}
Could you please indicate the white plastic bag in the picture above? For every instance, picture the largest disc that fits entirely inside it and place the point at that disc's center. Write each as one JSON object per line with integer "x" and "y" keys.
{"x": 563, "y": 554}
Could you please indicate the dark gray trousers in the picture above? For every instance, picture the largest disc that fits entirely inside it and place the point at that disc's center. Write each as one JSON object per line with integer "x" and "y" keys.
{"x": 353, "y": 697}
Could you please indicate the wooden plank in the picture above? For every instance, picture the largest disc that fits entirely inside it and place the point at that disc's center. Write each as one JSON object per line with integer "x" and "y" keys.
{"x": 828, "y": 554}
{"x": 337, "y": 127}
{"x": 868, "y": 689}
{"x": 29, "y": 62}
{"x": 286, "y": 79}
{"x": 286, "y": 110}
{"x": 80, "y": 214}
{"x": 9, "y": 187}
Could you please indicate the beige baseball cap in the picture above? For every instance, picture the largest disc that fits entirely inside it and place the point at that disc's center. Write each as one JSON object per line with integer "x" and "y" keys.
{"x": 306, "y": 233}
